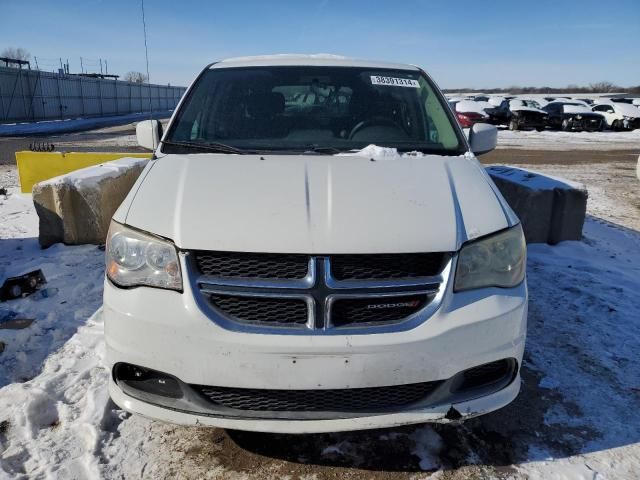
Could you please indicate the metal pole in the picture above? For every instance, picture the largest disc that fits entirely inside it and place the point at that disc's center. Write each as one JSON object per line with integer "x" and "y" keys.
{"x": 59, "y": 95}
{"x": 146, "y": 56}
{"x": 81, "y": 66}
{"x": 2, "y": 99}
{"x": 100, "y": 94}
{"x": 106, "y": 67}
{"x": 61, "y": 64}
{"x": 100, "y": 66}
{"x": 81, "y": 96}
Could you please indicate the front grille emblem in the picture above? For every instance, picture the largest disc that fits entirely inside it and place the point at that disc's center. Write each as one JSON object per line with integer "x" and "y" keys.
{"x": 382, "y": 306}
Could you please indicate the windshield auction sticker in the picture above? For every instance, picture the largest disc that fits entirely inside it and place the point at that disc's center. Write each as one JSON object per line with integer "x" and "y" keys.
{"x": 394, "y": 81}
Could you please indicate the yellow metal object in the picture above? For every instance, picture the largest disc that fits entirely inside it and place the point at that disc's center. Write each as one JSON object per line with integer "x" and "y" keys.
{"x": 34, "y": 167}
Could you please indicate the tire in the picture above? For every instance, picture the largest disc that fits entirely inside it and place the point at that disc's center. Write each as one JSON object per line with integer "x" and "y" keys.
{"x": 513, "y": 125}
{"x": 565, "y": 126}
{"x": 539, "y": 129}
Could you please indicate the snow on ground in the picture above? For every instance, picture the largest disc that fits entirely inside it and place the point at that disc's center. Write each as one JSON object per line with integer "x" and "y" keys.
{"x": 558, "y": 140}
{"x": 576, "y": 417}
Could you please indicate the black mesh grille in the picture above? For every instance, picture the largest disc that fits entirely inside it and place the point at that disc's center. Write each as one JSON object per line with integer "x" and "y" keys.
{"x": 274, "y": 311}
{"x": 386, "y": 266}
{"x": 343, "y": 400}
{"x": 252, "y": 265}
{"x": 375, "y": 310}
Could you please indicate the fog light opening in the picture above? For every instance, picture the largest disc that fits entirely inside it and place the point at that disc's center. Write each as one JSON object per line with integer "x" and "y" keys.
{"x": 498, "y": 372}
{"x": 140, "y": 379}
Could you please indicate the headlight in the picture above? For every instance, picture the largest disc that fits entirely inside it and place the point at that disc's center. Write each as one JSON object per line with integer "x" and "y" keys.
{"x": 495, "y": 261}
{"x": 135, "y": 258}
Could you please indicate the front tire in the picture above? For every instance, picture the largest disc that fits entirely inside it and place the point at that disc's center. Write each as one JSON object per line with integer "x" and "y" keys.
{"x": 539, "y": 129}
{"x": 513, "y": 125}
{"x": 565, "y": 125}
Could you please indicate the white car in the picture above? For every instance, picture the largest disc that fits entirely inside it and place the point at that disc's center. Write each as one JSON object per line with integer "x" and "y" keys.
{"x": 619, "y": 116}
{"x": 292, "y": 266}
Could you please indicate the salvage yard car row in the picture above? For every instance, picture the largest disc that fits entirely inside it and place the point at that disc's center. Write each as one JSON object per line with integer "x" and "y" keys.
{"x": 557, "y": 113}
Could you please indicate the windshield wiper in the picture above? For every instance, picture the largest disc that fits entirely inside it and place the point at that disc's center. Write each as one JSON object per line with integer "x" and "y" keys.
{"x": 323, "y": 149}
{"x": 210, "y": 147}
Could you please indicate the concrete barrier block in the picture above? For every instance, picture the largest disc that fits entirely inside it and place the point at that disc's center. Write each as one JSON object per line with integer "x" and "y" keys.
{"x": 76, "y": 208}
{"x": 551, "y": 209}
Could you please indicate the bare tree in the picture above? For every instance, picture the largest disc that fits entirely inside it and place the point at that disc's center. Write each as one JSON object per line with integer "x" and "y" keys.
{"x": 135, "y": 77}
{"x": 16, "y": 53}
{"x": 603, "y": 87}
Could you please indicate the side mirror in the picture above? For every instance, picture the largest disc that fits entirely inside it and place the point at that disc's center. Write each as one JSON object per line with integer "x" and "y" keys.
{"x": 483, "y": 138}
{"x": 149, "y": 133}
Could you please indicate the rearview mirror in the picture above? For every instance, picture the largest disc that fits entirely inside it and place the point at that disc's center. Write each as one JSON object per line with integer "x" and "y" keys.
{"x": 149, "y": 133}
{"x": 483, "y": 138}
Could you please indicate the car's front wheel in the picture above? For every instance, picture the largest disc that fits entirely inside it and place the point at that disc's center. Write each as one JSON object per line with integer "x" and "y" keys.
{"x": 565, "y": 125}
{"x": 514, "y": 125}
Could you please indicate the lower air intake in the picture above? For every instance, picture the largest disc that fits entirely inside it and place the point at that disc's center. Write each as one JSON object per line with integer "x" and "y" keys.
{"x": 341, "y": 400}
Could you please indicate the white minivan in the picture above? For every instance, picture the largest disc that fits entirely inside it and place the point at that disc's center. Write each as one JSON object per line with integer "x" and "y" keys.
{"x": 314, "y": 247}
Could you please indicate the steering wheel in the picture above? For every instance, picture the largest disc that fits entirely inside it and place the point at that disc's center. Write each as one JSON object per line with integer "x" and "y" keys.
{"x": 378, "y": 121}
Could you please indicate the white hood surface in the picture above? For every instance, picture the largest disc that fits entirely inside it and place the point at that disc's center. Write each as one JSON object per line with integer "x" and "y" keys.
{"x": 315, "y": 204}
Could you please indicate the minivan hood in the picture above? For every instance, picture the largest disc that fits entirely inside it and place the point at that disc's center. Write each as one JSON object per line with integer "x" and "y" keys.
{"x": 315, "y": 204}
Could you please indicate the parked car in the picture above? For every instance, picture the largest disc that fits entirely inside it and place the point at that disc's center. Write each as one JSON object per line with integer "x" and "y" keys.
{"x": 569, "y": 116}
{"x": 526, "y": 114}
{"x": 469, "y": 112}
{"x": 268, "y": 272}
{"x": 619, "y": 116}
{"x": 498, "y": 111}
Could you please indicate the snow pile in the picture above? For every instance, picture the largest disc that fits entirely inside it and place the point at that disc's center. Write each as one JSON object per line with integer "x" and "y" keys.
{"x": 466, "y": 106}
{"x": 89, "y": 177}
{"x": 73, "y": 290}
{"x": 533, "y": 179}
{"x": 374, "y": 152}
{"x": 577, "y": 109}
{"x": 583, "y": 339}
{"x": 556, "y": 140}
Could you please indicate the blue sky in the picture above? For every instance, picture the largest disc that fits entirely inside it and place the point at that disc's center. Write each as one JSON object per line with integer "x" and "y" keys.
{"x": 461, "y": 43}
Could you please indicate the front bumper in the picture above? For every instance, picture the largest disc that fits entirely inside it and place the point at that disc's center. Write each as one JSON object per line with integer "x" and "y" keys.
{"x": 436, "y": 414}
{"x": 168, "y": 331}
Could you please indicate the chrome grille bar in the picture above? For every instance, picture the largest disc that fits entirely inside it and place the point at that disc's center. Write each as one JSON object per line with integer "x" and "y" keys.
{"x": 320, "y": 290}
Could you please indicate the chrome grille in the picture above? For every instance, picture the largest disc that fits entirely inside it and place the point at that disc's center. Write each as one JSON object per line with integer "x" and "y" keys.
{"x": 341, "y": 400}
{"x": 251, "y": 292}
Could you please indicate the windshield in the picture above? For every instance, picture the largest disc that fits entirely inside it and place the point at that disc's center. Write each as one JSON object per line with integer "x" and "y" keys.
{"x": 307, "y": 109}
